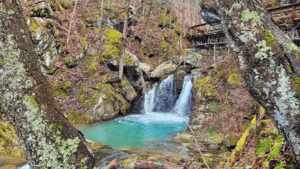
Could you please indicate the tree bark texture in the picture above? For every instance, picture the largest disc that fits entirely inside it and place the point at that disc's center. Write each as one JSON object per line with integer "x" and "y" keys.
{"x": 269, "y": 62}
{"x": 45, "y": 135}
{"x": 124, "y": 41}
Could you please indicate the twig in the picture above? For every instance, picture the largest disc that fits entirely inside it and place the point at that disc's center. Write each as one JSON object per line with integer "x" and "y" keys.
{"x": 198, "y": 146}
{"x": 111, "y": 164}
{"x": 195, "y": 142}
{"x": 71, "y": 21}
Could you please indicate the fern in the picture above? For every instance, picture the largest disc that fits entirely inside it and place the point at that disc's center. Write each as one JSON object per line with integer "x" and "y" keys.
{"x": 281, "y": 165}
{"x": 274, "y": 146}
{"x": 263, "y": 146}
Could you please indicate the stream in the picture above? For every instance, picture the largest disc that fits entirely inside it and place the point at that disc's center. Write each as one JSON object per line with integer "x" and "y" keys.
{"x": 162, "y": 116}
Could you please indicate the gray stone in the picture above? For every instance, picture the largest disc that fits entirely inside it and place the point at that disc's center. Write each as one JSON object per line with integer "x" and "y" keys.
{"x": 163, "y": 69}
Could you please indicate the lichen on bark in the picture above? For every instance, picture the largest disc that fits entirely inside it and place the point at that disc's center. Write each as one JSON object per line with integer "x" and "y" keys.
{"x": 28, "y": 103}
{"x": 264, "y": 60}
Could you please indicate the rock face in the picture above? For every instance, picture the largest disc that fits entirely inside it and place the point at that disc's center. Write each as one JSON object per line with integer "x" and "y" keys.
{"x": 46, "y": 49}
{"x": 42, "y": 9}
{"x": 128, "y": 91}
{"x": 179, "y": 78}
{"x": 110, "y": 104}
{"x": 163, "y": 69}
{"x": 104, "y": 109}
{"x": 135, "y": 76}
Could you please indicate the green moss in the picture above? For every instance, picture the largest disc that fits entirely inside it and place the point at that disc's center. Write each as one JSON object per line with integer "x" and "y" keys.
{"x": 269, "y": 37}
{"x": 234, "y": 80}
{"x": 91, "y": 70}
{"x": 164, "y": 45}
{"x": 33, "y": 26}
{"x": 3, "y": 63}
{"x": 235, "y": 70}
{"x": 28, "y": 3}
{"x": 68, "y": 61}
{"x": 128, "y": 61}
{"x": 61, "y": 89}
{"x": 49, "y": 24}
{"x": 78, "y": 118}
{"x": 9, "y": 141}
{"x": 59, "y": 6}
{"x": 231, "y": 140}
{"x": 113, "y": 46}
{"x": 207, "y": 90}
{"x": 84, "y": 42}
{"x": 36, "y": 9}
{"x": 267, "y": 132}
{"x": 66, "y": 4}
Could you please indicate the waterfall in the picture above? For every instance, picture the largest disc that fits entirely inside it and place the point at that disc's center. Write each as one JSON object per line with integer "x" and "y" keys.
{"x": 164, "y": 100}
{"x": 149, "y": 100}
{"x": 183, "y": 103}
{"x": 166, "y": 95}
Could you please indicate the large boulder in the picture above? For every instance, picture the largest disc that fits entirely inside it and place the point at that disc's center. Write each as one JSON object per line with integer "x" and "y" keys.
{"x": 104, "y": 109}
{"x": 109, "y": 105}
{"x": 128, "y": 91}
{"x": 163, "y": 69}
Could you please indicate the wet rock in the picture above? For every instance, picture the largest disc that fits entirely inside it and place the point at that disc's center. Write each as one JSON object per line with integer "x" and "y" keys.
{"x": 163, "y": 69}
{"x": 185, "y": 68}
{"x": 179, "y": 78}
{"x": 104, "y": 156}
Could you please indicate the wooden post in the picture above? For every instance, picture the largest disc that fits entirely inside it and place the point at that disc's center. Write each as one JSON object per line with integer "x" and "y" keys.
{"x": 184, "y": 58}
{"x": 209, "y": 54}
{"x": 214, "y": 52}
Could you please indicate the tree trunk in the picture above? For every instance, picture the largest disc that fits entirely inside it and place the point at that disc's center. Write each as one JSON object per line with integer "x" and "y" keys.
{"x": 124, "y": 43}
{"x": 147, "y": 21}
{"x": 45, "y": 135}
{"x": 269, "y": 63}
{"x": 183, "y": 18}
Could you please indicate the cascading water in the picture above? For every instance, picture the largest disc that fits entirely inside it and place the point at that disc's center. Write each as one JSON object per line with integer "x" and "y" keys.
{"x": 183, "y": 104}
{"x": 162, "y": 115}
{"x": 166, "y": 96}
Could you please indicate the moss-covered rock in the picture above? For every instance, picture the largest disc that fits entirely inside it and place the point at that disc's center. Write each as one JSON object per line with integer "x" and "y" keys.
{"x": 9, "y": 141}
{"x": 231, "y": 140}
{"x": 206, "y": 89}
{"x": 79, "y": 118}
{"x": 42, "y": 9}
{"x": 234, "y": 80}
